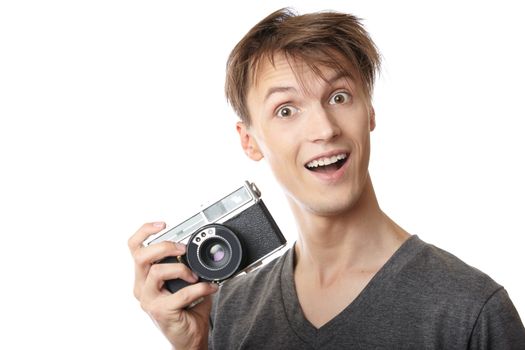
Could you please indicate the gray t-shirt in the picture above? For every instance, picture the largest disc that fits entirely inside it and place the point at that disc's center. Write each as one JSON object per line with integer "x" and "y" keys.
{"x": 422, "y": 298}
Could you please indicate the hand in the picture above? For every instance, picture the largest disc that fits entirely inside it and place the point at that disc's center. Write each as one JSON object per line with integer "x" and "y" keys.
{"x": 185, "y": 328}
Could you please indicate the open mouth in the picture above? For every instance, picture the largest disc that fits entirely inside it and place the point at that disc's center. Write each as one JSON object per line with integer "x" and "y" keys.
{"x": 327, "y": 164}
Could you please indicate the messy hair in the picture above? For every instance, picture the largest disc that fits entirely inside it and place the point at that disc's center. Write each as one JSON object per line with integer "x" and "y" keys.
{"x": 322, "y": 39}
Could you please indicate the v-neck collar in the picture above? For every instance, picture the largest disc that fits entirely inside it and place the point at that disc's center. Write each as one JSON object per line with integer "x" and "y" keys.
{"x": 309, "y": 333}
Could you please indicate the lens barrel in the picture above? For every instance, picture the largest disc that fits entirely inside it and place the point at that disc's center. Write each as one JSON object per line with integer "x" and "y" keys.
{"x": 214, "y": 252}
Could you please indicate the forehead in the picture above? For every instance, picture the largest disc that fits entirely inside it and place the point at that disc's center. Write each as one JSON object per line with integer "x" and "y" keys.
{"x": 281, "y": 71}
{"x": 282, "y": 68}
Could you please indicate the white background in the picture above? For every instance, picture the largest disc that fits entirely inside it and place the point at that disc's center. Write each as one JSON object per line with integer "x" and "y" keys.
{"x": 112, "y": 114}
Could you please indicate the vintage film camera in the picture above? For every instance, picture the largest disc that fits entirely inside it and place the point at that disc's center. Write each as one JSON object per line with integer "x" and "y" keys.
{"x": 230, "y": 236}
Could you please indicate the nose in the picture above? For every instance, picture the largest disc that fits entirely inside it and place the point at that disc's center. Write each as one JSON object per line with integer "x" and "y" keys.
{"x": 322, "y": 125}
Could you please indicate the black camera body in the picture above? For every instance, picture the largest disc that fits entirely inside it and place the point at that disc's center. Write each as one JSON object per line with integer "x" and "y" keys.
{"x": 233, "y": 235}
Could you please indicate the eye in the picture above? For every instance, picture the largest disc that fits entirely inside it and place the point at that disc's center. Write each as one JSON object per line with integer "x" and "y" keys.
{"x": 340, "y": 98}
{"x": 286, "y": 111}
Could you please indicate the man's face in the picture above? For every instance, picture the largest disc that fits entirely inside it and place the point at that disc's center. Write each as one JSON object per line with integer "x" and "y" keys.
{"x": 315, "y": 134}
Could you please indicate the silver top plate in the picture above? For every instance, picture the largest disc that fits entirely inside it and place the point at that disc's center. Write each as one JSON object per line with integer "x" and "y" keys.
{"x": 226, "y": 207}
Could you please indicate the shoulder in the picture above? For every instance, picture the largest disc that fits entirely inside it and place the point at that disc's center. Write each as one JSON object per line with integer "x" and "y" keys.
{"x": 456, "y": 275}
{"x": 470, "y": 296}
{"x": 446, "y": 274}
{"x": 434, "y": 287}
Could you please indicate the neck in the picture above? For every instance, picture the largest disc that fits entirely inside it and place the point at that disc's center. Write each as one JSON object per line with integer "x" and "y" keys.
{"x": 361, "y": 238}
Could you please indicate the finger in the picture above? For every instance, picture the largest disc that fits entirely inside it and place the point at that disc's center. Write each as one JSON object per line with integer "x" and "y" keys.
{"x": 146, "y": 256}
{"x": 159, "y": 273}
{"x": 203, "y": 308}
{"x": 144, "y": 232}
{"x": 158, "y": 251}
{"x": 188, "y": 295}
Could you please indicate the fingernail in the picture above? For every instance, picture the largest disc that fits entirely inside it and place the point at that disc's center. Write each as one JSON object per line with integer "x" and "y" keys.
{"x": 214, "y": 286}
{"x": 195, "y": 277}
{"x": 158, "y": 224}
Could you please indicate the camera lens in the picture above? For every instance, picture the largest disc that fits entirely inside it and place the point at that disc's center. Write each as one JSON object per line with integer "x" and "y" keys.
{"x": 217, "y": 256}
{"x": 215, "y": 253}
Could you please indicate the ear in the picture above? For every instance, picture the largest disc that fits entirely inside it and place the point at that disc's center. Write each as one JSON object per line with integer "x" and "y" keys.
{"x": 372, "y": 117}
{"x": 248, "y": 143}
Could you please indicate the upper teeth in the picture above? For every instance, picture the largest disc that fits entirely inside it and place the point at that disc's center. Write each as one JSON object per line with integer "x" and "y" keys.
{"x": 325, "y": 161}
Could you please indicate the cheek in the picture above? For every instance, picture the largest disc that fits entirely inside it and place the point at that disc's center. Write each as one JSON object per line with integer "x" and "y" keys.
{"x": 357, "y": 129}
{"x": 276, "y": 152}
{"x": 361, "y": 123}
{"x": 279, "y": 152}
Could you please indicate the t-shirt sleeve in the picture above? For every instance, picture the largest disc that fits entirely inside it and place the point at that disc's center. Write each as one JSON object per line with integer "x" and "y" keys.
{"x": 498, "y": 325}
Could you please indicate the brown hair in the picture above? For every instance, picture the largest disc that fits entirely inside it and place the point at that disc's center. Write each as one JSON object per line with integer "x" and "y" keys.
{"x": 330, "y": 39}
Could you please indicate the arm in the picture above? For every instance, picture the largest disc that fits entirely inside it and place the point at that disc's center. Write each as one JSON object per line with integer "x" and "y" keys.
{"x": 498, "y": 325}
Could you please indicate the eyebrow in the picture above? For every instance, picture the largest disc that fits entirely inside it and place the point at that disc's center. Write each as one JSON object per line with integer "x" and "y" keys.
{"x": 338, "y": 76}
{"x": 279, "y": 89}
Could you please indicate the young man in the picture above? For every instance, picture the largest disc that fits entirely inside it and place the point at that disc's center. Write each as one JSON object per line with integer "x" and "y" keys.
{"x": 302, "y": 87}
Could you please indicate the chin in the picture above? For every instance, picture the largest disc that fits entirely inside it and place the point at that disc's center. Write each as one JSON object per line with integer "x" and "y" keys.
{"x": 331, "y": 206}
{"x": 337, "y": 200}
